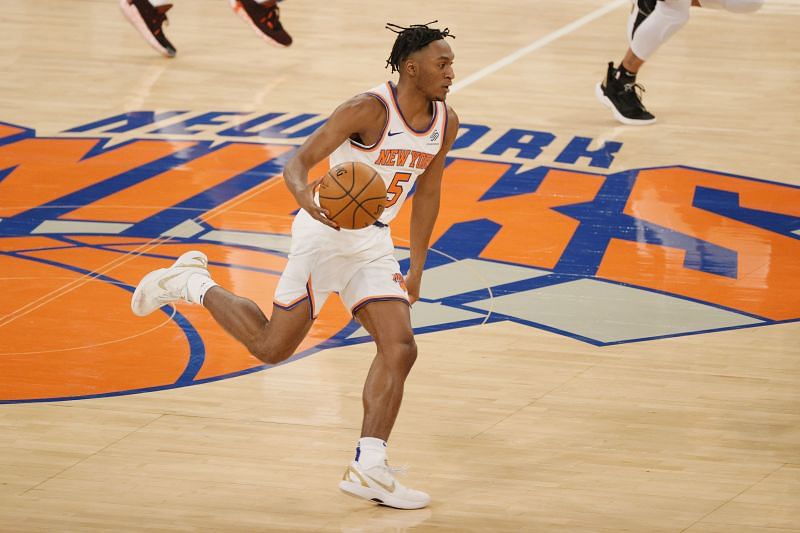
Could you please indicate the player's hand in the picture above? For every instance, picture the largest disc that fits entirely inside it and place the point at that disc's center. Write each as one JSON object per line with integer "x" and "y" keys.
{"x": 413, "y": 284}
{"x": 306, "y": 200}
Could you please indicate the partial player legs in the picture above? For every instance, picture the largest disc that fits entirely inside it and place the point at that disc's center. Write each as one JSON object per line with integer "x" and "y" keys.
{"x": 264, "y": 17}
{"x": 188, "y": 279}
{"x": 369, "y": 475}
{"x": 150, "y": 16}
{"x": 149, "y": 19}
{"x": 271, "y": 341}
{"x": 619, "y": 92}
{"x": 389, "y": 323}
{"x": 666, "y": 19}
{"x": 650, "y": 25}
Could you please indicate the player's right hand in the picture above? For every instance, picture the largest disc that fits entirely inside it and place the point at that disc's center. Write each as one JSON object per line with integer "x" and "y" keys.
{"x": 306, "y": 201}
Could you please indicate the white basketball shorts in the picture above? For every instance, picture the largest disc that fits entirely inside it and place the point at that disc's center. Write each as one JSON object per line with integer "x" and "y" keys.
{"x": 358, "y": 264}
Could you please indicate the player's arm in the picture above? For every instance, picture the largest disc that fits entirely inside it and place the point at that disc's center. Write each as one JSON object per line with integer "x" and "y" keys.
{"x": 357, "y": 116}
{"x": 425, "y": 208}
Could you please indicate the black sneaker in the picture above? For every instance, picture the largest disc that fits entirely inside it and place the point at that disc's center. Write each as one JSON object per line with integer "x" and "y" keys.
{"x": 640, "y": 11}
{"x": 264, "y": 18}
{"x": 624, "y": 99}
{"x": 148, "y": 20}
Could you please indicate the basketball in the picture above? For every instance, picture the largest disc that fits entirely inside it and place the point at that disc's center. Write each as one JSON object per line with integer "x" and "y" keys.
{"x": 354, "y": 195}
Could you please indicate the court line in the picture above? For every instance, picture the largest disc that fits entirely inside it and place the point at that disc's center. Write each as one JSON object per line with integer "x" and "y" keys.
{"x": 88, "y": 346}
{"x": 111, "y": 265}
{"x": 475, "y": 272}
{"x": 535, "y": 45}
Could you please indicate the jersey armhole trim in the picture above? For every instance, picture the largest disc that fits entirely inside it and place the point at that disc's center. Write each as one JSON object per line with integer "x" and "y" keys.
{"x": 357, "y": 145}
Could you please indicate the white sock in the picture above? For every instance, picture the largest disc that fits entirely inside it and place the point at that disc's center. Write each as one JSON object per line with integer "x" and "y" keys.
{"x": 370, "y": 452}
{"x": 196, "y": 287}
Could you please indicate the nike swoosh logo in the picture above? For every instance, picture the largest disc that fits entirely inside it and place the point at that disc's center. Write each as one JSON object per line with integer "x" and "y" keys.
{"x": 361, "y": 479}
{"x": 202, "y": 263}
{"x": 393, "y": 133}
{"x": 387, "y": 488}
{"x": 162, "y": 282}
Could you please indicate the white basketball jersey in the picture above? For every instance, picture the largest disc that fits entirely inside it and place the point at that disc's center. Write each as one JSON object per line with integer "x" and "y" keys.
{"x": 401, "y": 153}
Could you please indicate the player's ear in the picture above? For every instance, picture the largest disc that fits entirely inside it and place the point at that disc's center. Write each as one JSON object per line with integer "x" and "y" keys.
{"x": 411, "y": 67}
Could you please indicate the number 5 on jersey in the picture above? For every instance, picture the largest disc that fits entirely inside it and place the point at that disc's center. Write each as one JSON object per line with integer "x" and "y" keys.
{"x": 395, "y": 189}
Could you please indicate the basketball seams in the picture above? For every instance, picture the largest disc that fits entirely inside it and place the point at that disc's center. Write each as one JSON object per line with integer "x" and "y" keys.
{"x": 345, "y": 190}
{"x": 339, "y": 183}
{"x": 340, "y": 188}
{"x": 354, "y": 197}
{"x": 360, "y": 204}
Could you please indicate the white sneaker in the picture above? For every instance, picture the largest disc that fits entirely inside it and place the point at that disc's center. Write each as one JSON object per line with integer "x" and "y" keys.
{"x": 377, "y": 484}
{"x": 166, "y": 285}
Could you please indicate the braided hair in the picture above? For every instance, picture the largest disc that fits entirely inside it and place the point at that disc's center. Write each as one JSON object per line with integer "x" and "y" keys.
{"x": 410, "y": 39}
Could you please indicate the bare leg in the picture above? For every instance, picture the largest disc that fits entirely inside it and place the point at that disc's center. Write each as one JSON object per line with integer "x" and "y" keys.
{"x": 389, "y": 323}
{"x": 632, "y": 63}
{"x": 271, "y": 341}
{"x": 369, "y": 476}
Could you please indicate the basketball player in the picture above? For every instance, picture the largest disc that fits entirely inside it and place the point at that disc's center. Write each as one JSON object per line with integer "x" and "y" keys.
{"x": 148, "y": 17}
{"x": 650, "y": 24}
{"x": 410, "y": 121}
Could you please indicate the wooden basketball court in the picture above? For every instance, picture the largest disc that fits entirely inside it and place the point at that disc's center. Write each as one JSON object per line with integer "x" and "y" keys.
{"x": 608, "y": 333}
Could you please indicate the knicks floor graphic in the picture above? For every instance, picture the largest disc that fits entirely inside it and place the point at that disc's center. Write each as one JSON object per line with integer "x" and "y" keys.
{"x": 604, "y": 258}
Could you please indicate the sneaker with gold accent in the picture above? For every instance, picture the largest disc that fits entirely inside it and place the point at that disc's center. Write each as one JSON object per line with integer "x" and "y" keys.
{"x": 167, "y": 285}
{"x": 377, "y": 484}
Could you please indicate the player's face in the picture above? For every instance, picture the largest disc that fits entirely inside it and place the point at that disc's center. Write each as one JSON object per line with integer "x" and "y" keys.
{"x": 435, "y": 64}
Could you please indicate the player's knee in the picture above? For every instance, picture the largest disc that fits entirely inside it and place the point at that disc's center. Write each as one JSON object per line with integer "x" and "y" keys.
{"x": 410, "y": 349}
{"x": 667, "y": 18}
{"x": 268, "y": 353}
{"x": 403, "y": 353}
{"x": 674, "y": 12}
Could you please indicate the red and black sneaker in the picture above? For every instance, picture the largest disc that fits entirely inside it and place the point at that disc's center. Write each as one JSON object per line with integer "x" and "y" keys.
{"x": 149, "y": 21}
{"x": 264, "y": 18}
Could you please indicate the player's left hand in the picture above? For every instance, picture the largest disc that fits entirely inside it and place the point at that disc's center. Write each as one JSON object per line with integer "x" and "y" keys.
{"x": 305, "y": 199}
{"x": 413, "y": 284}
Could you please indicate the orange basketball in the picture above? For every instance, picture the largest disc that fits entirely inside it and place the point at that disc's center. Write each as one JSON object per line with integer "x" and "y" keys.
{"x": 354, "y": 195}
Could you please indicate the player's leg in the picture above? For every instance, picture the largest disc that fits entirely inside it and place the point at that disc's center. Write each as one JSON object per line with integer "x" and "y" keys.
{"x": 650, "y": 25}
{"x": 148, "y": 17}
{"x": 271, "y": 341}
{"x": 734, "y": 6}
{"x": 369, "y": 475}
{"x": 667, "y": 18}
{"x": 389, "y": 324}
{"x": 377, "y": 297}
{"x": 264, "y": 17}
